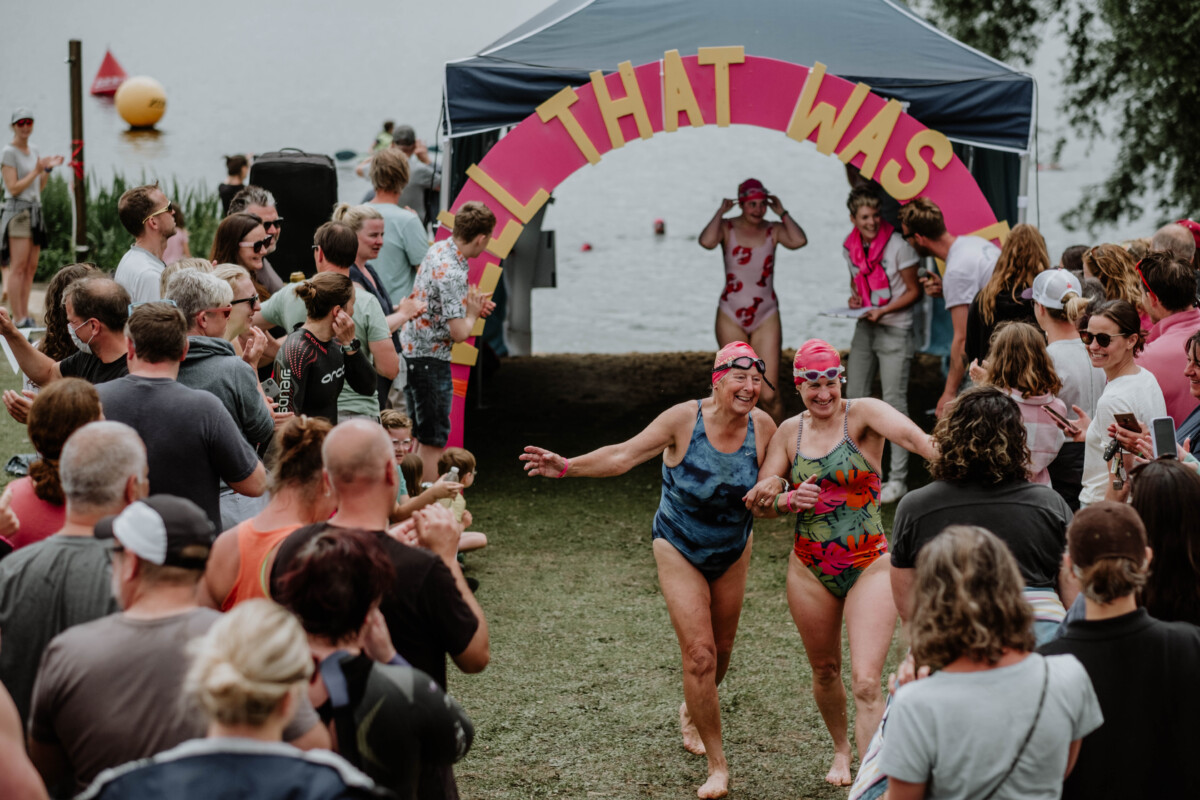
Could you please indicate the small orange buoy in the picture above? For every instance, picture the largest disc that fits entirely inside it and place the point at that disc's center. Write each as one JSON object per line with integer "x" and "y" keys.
{"x": 141, "y": 101}
{"x": 586, "y": 247}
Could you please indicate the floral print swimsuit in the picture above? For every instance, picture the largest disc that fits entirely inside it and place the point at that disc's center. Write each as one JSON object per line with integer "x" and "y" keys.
{"x": 842, "y": 535}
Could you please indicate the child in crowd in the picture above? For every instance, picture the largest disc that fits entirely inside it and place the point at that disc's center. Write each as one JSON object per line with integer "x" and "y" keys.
{"x": 464, "y": 461}
{"x": 410, "y": 495}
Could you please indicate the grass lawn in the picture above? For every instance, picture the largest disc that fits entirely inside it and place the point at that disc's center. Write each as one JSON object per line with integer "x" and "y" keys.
{"x": 581, "y": 697}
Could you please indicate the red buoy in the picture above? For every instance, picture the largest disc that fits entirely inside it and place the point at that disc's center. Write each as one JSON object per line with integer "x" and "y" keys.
{"x": 109, "y": 77}
{"x": 586, "y": 247}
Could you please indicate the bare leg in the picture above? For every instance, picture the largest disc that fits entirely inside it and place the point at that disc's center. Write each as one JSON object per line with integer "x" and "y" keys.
{"x": 24, "y": 255}
{"x": 471, "y": 540}
{"x": 705, "y": 616}
{"x": 818, "y": 617}
{"x": 766, "y": 341}
{"x": 429, "y": 457}
{"x": 870, "y": 624}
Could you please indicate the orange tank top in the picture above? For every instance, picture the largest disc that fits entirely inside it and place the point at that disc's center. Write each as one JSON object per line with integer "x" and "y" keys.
{"x": 256, "y": 550}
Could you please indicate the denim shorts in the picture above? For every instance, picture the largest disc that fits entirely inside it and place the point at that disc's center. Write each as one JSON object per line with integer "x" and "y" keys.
{"x": 428, "y": 393}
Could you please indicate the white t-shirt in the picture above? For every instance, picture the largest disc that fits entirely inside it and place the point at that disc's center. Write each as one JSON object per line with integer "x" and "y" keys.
{"x": 897, "y": 255}
{"x": 23, "y": 164}
{"x": 958, "y": 732}
{"x": 1082, "y": 384}
{"x": 969, "y": 266}
{"x": 140, "y": 272}
{"x": 1137, "y": 394}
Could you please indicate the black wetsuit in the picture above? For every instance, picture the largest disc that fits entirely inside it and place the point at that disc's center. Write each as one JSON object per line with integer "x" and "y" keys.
{"x": 310, "y": 374}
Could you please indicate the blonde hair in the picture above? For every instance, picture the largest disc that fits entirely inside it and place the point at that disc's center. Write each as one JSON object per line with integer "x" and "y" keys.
{"x": 231, "y": 274}
{"x": 1018, "y": 359}
{"x": 1023, "y": 256}
{"x": 354, "y": 216}
{"x": 1113, "y": 266}
{"x": 969, "y": 600}
{"x": 389, "y": 170}
{"x": 198, "y": 264}
{"x": 247, "y": 663}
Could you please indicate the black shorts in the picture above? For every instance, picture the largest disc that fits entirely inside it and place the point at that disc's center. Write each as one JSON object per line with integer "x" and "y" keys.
{"x": 429, "y": 393}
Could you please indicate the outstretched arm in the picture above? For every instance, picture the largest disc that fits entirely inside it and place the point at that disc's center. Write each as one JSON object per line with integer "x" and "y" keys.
{"x": 893, "y": 426}
{"x": 615, "y": 459}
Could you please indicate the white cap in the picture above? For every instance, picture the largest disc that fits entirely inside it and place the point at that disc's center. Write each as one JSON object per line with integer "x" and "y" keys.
{"x": 1051, "y": 286}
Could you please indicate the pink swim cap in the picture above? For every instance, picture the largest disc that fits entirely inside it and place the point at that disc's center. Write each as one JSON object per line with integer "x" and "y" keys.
{"x": 815, "y": 354}
{"x": 750, "y": 189}
{"x": 726, "y": 356}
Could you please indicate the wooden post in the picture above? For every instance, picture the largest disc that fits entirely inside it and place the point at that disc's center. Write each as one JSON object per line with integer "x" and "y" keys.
{"x": 75, "y": 59}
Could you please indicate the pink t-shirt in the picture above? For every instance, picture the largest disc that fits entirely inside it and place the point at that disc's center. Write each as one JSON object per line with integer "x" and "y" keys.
{"x": 1164, "y": 356}
{"x": 1041, "y": 434}
{"x": 38, "y": 518}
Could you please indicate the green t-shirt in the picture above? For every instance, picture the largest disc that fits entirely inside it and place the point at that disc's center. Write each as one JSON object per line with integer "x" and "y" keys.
{"x": 287, "y": 311}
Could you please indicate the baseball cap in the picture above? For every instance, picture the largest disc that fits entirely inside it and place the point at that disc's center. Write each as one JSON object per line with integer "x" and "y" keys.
{"x": 20, "y": 113}
{"x": 1051, "y": 286}
{"x": 159, "y": 529}
{"x": 1191, "y": 224}
{"x": 1106, "y": 530}
{"x": 404, "y": 134}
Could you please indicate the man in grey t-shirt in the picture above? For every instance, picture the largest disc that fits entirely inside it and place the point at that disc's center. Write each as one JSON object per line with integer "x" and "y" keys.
{"x": 111, "y": 691}
{"x": 64, "y": 580}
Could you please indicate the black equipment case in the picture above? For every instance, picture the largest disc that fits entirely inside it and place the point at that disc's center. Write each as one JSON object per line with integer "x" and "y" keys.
{"x": 305, "y": 190}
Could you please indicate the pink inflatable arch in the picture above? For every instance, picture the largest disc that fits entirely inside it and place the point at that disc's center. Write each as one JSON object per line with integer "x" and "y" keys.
{"x": 718, "y": 86}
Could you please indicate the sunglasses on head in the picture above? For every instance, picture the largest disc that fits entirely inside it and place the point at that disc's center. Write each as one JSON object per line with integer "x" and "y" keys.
{"x": 746, "y": 362}
{"x": 273, "y": 223}
{"x": 814, "y": 375}
{"x": 258, "y": 246}
{"x": 1103, "y": 339}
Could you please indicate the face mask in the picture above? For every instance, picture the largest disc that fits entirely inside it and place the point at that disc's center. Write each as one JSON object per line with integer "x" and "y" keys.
{"x": 84, "y": 347}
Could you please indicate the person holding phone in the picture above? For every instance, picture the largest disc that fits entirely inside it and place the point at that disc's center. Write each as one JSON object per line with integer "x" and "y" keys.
{"x": 1113, "y": 334}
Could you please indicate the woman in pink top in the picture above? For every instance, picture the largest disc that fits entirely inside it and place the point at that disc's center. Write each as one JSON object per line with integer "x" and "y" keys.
{"x": 37, "y": 500}
{"x": 748, "y": 310}
{"x": 1019, "y": 364}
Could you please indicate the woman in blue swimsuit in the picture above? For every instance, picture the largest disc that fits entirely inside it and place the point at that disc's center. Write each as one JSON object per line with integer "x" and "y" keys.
{"x": 712, "y": 450}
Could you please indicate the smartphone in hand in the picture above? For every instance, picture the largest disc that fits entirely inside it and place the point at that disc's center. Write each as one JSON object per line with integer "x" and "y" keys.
{"x": 1128, "y": 422}
{"x": 1063, "y": 422}
{"x": 1162, "y": 434}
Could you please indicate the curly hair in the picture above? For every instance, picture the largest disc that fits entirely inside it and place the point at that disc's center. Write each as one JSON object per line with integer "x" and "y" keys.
{"x": 1023, "y": 256}
{"x": 1018, "y": 359}
{"x": 62, "y": 408}
{"x": 968, "y": 600}
{"x": 57, "y": 344}
{"x": 981, "y": 438}
{"x": 1113, "y": 266}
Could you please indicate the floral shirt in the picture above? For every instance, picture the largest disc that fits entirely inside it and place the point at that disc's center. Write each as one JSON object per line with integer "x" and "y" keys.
{"x": 442, "y": 283}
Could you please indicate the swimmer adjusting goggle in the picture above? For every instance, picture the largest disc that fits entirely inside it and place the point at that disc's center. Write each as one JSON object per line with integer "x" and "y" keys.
{"x": 746, "y": 362}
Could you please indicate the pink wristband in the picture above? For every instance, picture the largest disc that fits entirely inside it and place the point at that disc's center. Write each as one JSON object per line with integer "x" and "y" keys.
{"x": 566, "y": 466}
{"x": 787, "y": 501}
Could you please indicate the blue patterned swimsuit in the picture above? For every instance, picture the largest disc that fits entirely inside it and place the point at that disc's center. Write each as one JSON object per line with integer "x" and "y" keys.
{"x": 702, "y": 513}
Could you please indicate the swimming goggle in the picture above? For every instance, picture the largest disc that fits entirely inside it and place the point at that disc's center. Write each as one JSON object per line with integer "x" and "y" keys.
{"x": 746, "y": 362}
{"x": 814, "y": 375}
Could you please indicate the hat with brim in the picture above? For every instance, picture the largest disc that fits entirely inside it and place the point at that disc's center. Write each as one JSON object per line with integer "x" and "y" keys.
{"x": 164, "y": 530}
{"x": 1106, "y": 530}
{"x": 1051, "y": 286}
{"x": 20, "y": 114}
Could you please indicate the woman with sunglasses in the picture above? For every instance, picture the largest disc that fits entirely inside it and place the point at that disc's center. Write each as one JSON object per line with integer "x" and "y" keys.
{"x": 831, "y": 454}
{"x": 22, "y": 228}
{"x": 1114, "y": 335}
{"x": 241, "y": 239}
{"x": 711, "y": 450}
{"x": 244, "y": 337}
{"x": 748, "y": 309}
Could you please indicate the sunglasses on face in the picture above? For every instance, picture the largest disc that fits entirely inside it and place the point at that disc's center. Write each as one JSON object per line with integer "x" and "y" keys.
{"x": 252, "y": 301}
{"x": 258, "y": 246}
{"x": 168, "y": 207}
{"x": 227, "y": 310}
{"x": 814, "y": 375}
{"x": 1102, "y": 339}
{"x": 273, "y": 223}
{"x": 23, "y": 122}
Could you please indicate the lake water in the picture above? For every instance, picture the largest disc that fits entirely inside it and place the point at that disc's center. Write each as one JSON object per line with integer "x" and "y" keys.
{"x": 252, "y": 77}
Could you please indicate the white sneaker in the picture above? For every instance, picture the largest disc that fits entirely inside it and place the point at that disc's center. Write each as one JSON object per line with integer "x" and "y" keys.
{"x": 892, "y": 491}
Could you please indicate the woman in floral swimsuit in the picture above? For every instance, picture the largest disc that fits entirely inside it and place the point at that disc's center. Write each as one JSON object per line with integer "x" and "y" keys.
{"x": 748, "y": 310}
{"x": 839, "y": 565}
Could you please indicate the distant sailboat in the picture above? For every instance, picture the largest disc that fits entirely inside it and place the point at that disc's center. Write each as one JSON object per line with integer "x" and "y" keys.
{"x": 108, "y": 77}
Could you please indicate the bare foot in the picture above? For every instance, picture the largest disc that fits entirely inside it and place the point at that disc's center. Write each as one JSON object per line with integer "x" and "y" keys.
{"x": 691, "y": 738}
{"x": 717, "y": 785}
{"x": 839, "y": 771}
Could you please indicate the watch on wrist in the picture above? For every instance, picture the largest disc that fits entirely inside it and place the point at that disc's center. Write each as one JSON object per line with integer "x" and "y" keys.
{"x": 352, "y": 348}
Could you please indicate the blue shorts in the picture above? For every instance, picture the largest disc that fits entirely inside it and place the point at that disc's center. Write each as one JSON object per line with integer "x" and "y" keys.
{"x": 429, "y": 392}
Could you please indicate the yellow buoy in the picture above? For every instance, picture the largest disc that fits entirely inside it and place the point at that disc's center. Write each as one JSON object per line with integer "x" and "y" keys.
{"x": 141, "y": 101}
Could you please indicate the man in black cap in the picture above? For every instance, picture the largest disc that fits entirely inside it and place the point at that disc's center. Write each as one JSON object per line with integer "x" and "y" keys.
{"x": 1143, "y": 670}
{"x": 110, "y": 691}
